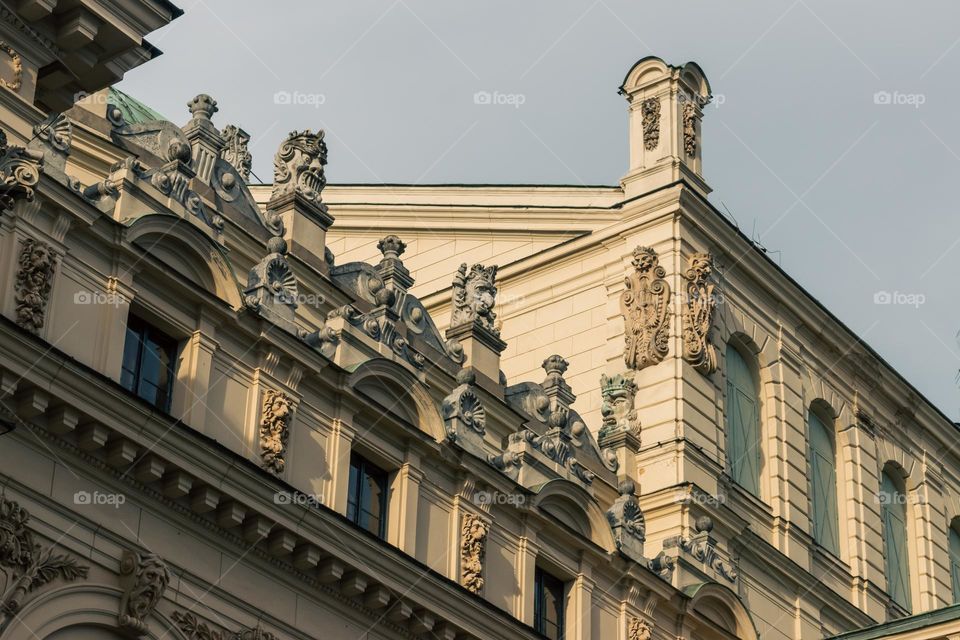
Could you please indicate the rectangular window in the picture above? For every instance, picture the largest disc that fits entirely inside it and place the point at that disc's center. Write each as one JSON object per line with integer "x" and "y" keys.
{"x": 149, "y": 360}
{"x": 548, "y": 605}
{"x": 367, "y": 496}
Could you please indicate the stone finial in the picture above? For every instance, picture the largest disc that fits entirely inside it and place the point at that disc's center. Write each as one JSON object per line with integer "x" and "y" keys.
{"x": 474, "y": 296}
{"x": 555, "y": 366}
{"x": 556, "y": 388}
{"x": 395, "y": 275}
{"x": 202, "y": 107}
{"x": 298, "y": 166}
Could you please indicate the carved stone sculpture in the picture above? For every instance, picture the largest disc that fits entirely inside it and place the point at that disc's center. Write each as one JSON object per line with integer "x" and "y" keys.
{"x": 619, "y": 392}
{"x": 17, "y": 63}
{"x": 703, "y": 548}
{"x": 690, "y": 128}
{"x": 626, "y": 520}
{"x": 463, "y": 406}
{"x": 474, "y": 296}
{"x": 639, "y": 630}
{"x": 698, "y": 311}
{"x": 236, "y": 150}
{"x": 645, "y": 305}
{"x": 271, "y": 284}
{"x": 298, "y": 166}
{"x": 274, "y": 430}
{"x": 650, "y": 110}
{"x": 25, "y": 564}
{"x": 20, "y": 171}
{"x": 473, "y": 542}
{"x": 144, "y": 579}
{"x": 193, "y": 629}
{"x": 35, "y": 268}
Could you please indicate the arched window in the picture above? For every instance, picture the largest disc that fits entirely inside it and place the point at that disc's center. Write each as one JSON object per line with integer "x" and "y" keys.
{"x": 823, "y": 482}
{"x": 955, "y": 558}
{"x": 893, "y": 509}
{"x": 743, "y": 422}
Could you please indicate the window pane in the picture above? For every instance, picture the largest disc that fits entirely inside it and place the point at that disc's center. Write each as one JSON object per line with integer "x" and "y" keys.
{"x": 894, "y": 511}
{"x": 148, "y": 363}
{"x": 548, "y": 608}
{"x": 743, "y": 423}
{"x": 823, "y": 482}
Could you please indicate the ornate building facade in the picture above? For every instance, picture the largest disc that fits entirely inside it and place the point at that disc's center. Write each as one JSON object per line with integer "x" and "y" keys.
{"x": 262, "y": 411}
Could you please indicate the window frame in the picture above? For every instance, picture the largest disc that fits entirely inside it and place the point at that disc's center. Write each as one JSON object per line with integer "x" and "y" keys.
{"x": 953, "y": 551}
{"x": 737, "y": 437}
{"x": 895, "y": 537}
{"x": 545, "y": 582}
{"x": 147, "y": 333}
{"x": 355, "y": 492}
{"x": 824, "y": 508}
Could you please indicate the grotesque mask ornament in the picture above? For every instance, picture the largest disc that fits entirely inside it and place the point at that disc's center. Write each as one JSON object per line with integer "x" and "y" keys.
{"x": 298, "y": 166}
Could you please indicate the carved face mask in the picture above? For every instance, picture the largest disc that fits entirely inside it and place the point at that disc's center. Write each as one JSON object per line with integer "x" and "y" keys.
{"x": 298, "y": 165}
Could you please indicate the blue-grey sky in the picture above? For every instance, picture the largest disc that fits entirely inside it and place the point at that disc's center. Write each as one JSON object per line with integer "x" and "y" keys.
{"x": 853, "y": 191}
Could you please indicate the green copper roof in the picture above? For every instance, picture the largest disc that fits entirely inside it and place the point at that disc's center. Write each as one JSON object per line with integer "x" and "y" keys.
{"x": 911, "y": 623}
{"x": 132, "y": 109}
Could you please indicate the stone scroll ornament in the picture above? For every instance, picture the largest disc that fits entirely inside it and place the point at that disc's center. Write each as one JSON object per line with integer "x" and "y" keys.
{"x": 144, "y": 578}
{"x": 474, "y": 295}
{"x": 645, "y": 305}
{"x": 25, "y": 565}
{"x": 698, "y": 311}
{"x": 35, "y": 267}
{"x": 473, "y": 542}
{"x": 20, "y": 170}
{"x": 298, "y": 166}
{"x": 274, "y": 430}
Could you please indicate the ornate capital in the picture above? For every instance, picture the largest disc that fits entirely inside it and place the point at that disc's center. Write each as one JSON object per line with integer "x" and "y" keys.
{"x": 274, "y": 430}
{"x": 645, "y": 305}
{"x": 698, "y": 311}
{"x": 35, "y": 269}
{"x": 473, "y": 542}
{"x": 474, "y": 296}
{"x": 144, "y": 579}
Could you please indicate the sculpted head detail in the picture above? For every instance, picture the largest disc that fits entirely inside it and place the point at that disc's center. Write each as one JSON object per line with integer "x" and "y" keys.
{"x": 474, "y": 296}
{"x": 298, "y": 166}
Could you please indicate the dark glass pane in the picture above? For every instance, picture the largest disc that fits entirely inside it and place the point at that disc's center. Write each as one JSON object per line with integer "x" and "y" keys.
{"x": 353, "y": 491}
{"x": 548, "y": 605}
{"x": 131, "y": 357}
{"x": 148, "y": 363}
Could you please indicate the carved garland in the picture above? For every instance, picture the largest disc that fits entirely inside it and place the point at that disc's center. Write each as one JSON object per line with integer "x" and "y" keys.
{"x": 689, "y": 128}
{"x": 17, "y": 63}
{"x": 34, "y": 279}
{"x": 650, "y": 110}
{"x": 30, "y": 565}
{"x": 145, "y": 578}
{"x": 698, "y": 312}
{"x": 473, "y": 541}
{"x": 645, "y": 305}
{"x": 196, "y": 630}
{"x": 274, "y": 430}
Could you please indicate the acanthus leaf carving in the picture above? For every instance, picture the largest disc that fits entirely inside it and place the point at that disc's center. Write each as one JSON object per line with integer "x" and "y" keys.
{"x": 144, "y": 577}
{"x": 699, "y": 308}
{"x": 35, "y": 269}
{"x": 274, "y": 430}
{"x": 194, "y": 629}
{"x": 473, "y": 541}
{"x": 26, "y": 564}
{"x": 645, "y": 305}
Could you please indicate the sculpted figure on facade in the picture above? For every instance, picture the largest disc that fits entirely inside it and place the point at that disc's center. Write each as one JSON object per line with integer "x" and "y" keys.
{"x": 474, "y": 296}
{"x": 645, "y": 305}
{"x": 20, "y": 171}
{"x": 236, "y": 150}
{"x": 698, "y": 311}
{"x": 639, "y": 630}
{"x": 473, "y": 542}
{"x": 35, "y": 268}
{"x": 24, "y": 564}
{"x": 274, "y": 430}
{"x": 619, "y": 392}
{"x": 298, "y": 166}
{"x": 144, "y": 578}
{"x": 650, "y": 110}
